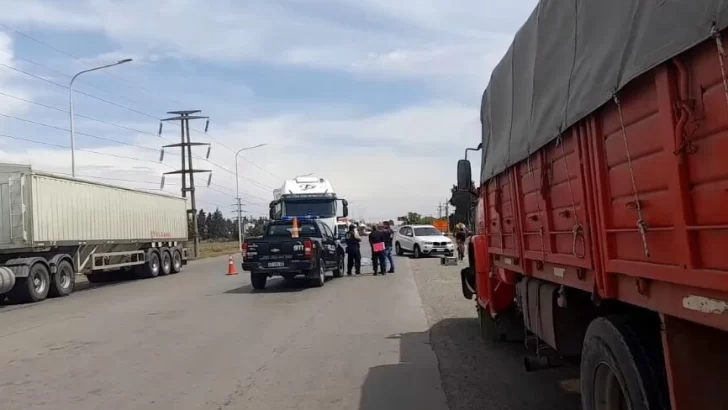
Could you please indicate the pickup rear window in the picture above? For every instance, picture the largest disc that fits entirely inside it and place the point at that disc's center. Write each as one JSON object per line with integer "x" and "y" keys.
{"x": 285, "y": 230}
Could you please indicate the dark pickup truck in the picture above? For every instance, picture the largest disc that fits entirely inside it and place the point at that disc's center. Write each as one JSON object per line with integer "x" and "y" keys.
{"x": 290, "y": 248}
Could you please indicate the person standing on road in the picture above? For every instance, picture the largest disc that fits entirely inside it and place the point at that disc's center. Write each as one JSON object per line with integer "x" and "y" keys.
{"x": 375, "y": 260}
{"x": 353, "y": 249}
{"x": 376, "y": 239}
{"x": 388, "y": 237}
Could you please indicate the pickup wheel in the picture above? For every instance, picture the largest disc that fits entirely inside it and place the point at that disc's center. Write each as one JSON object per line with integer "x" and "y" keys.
{"x": 621, "y": 367}
{"x": 339, "y": 271}
{"x": 398, "y": 249}
{"x": 63, "y": 281}
{"x": 258, "y": 280}
{"x": 320, "y": 279}
{"x": 34, "y": 288}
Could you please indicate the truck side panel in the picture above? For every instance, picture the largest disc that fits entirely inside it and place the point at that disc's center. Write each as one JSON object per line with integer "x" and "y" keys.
{"x": 64, "y": 210}
{"x": 642, "y": 185}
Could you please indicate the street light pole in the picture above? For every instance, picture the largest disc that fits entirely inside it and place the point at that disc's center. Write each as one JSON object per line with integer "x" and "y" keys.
{"x": 70, "y": 108}
{"x": 237, "y": 195}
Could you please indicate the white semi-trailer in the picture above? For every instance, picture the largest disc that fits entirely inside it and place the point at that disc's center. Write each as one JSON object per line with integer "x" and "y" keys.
{"x": 53, "y": 228}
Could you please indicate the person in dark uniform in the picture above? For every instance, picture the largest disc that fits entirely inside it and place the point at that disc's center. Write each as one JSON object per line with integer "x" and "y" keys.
{"x": 377, "y": 237}
{"x": 388, "y": 237}
{"x": 353, "y": 249}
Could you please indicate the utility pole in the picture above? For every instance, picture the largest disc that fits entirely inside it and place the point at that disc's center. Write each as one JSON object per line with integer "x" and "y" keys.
{"x": 188, "y": 170}
{"x": 447, "y": 214}
{"x": 238, "y": 209}
{"x": 439, "y": 210}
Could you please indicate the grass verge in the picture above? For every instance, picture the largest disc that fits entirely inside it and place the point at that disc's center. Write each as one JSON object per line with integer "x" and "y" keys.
{"x": 212, "y": 249}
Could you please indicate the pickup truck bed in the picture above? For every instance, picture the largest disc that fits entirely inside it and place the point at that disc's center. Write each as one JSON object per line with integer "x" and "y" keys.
{"x": 289, "y": 249}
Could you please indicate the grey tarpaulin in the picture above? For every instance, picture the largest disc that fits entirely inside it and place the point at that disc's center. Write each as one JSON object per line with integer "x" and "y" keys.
{"x": 571, "y": 56}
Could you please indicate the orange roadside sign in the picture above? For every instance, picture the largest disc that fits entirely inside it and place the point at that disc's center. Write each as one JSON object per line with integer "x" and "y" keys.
{"x": 441, "y": 225}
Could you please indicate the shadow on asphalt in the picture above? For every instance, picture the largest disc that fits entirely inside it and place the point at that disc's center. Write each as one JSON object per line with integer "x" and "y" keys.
{"x": 473, "y": 375}
{"x": 114, "y": 279}
{"x": 274, "y": 285}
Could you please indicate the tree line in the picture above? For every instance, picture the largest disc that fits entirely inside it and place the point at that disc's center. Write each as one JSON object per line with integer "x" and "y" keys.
{"x": 214, "y": 226}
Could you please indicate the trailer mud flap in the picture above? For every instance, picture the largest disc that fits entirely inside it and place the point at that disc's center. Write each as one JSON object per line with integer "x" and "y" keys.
{"x": 467, "y": 280}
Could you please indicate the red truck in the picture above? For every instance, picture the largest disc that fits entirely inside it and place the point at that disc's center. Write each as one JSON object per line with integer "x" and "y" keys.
{"x": 602, "y": 221}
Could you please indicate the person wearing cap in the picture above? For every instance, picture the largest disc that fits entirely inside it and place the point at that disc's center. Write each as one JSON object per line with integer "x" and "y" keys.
{"x": 353, "y": 241}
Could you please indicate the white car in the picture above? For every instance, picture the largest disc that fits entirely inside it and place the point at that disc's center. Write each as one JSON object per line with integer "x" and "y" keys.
{"x": 422, "y": 240}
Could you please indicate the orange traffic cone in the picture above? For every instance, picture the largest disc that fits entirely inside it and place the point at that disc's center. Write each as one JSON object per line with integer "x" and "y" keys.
{"x": 231, "y": 267}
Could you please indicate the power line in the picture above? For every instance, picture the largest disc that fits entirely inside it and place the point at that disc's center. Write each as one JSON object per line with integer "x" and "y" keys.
{"x": 66, "y": 53}
{"x": 63, "y": 52}
{"x": 79, "y": 133}
{"x": 78, "y": 149}
{"x": 256, "y": 184}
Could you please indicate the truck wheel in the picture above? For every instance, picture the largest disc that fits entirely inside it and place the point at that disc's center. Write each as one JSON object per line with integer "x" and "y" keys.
{"x": 621, "y": 369}
{"x": 34, "y": 288}
{"x": 63, "y": 281}
{"x": 398, "y": 249}
{"x": 165, "y": 264}
{"x": 320, "y": 278}
{"x": 176, "y": 261}
{"x": 339, "y": 271}
{"x": 258, "y": 280}
{"x": 416, "y": 252}
{"x": 488, "y": 331}
{"x": 150, "y": 269}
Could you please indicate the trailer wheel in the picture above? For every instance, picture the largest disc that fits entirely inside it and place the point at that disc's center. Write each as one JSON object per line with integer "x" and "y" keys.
{"x": 176, "y": 261}
{"x": 33, "y": 288}
{"x": 63, "y": 281}
{"x": 150, "y": 269}
{"x": 166, "y": 263}
{"x": 620, "y": 368}
{"x": 258, "y": 280}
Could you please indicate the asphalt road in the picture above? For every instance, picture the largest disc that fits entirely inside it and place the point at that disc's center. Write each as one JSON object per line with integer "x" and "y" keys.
{"x": 203, "y": 340}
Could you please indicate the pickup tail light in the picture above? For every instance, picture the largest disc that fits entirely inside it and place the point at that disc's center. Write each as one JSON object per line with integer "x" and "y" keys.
{"x": 244, "y": 250}
{"x": 308, "y": 249}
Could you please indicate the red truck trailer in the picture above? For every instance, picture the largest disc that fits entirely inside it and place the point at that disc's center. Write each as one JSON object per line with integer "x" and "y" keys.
{"x": 602, "y": 221}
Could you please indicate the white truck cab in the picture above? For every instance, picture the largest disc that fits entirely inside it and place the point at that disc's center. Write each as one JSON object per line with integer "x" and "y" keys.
{"x": 309, "y": 196}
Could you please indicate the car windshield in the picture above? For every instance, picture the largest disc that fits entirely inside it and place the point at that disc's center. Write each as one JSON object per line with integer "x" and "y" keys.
{"x": 324, "y": 208}
{"x": 427, "y": 231}
{"x": 285, "y": 230}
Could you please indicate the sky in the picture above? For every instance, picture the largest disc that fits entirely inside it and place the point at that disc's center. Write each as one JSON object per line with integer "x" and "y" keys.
{"x": 380, "y": 98}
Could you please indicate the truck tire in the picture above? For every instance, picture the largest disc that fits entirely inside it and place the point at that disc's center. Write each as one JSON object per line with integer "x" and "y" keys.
{"x": 620, "y": 368}
{"x": 150, "y": 269}
{"x": 176, "y": 261}
{"x": 33, "y": 288}
{"x": 258, "y": 281}
{"x": 63, "y": 281}
{"x": 165, "y": 263}
{"x": 487, "y": 325}
{"x": 339, "y": 271}
{"x": 320, "y": 278}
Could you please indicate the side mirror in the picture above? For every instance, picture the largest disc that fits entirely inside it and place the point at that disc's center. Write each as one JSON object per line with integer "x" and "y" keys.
{"x": 465, "y": 176}
{"x": 272, "y": 213}
{"x": 346, "y": 209}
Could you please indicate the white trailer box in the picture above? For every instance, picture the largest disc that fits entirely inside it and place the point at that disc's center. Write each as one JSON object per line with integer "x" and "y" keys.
{"x": 53, "y": 228}
{"x": 38, "y": 209}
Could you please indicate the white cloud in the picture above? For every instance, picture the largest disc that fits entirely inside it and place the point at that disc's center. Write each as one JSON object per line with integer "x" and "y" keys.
{"x": 424, "y": 38}
{"x": 386, "y": 163}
